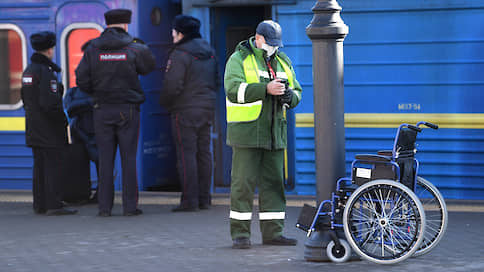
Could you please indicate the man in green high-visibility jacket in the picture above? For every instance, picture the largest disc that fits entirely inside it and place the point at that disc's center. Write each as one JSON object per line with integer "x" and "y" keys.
{"x": 260, "y": 85}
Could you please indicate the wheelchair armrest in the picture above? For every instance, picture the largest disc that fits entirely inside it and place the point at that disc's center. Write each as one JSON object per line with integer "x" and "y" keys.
{"x": 384, "y": 152}
{"x": 373, "y": 157}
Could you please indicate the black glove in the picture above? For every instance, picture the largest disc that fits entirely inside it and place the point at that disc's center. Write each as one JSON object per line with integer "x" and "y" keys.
{"x": 286, "y": 98}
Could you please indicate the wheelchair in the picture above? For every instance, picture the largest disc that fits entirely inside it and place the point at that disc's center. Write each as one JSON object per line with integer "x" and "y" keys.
{"x": 386, "y": 211}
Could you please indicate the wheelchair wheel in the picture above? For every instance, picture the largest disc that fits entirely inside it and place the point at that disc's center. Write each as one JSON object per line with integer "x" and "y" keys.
{"x": 435, "y": 215}
{"x": 384, "y": 221}
{"x": 339, "y": 254}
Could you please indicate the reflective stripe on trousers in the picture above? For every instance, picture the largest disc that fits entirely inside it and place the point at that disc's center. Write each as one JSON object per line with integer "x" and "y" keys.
{"x": 262, "y": 215}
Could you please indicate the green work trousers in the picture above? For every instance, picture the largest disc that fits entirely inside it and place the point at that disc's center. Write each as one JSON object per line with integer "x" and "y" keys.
{"x": 264, "y": 168}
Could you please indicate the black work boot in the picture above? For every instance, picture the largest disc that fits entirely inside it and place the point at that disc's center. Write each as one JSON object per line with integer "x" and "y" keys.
{"x": 40, "y": 211}
{"x": 133, "y": 213}
{"x": 241, "y": 243}
{"x": 204, "y": 206}
{"x": 181, "y": 208}
{"x": 281, "y": 241}
{"x": 104, "y": 214}
{"x": 61, "y": 211}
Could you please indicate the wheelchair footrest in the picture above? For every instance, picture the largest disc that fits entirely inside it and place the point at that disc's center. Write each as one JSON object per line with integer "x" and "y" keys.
{"x": 306, "y": 217}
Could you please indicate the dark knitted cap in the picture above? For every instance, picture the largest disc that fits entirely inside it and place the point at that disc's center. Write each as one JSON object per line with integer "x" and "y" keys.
{"x": 271, "y": 31}
{"x": 41, "y": 41}
{"x": 118, "y": 16}
{"x": 186, "y": 24}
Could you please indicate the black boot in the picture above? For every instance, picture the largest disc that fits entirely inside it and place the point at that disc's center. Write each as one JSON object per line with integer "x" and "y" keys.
{"x": 181, "y": 208}
{"x": 241, "y": 243}
{"x": 281, "y": 241}
{"x": 133, "y": 213}
{"x": 61, "y": 211}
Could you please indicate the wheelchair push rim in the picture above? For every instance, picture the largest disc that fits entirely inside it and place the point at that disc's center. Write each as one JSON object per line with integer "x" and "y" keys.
{"x": 384, "y": 221}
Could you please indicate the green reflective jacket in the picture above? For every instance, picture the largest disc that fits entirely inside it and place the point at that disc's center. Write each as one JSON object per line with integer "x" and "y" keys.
{"x": 269, "y": 129}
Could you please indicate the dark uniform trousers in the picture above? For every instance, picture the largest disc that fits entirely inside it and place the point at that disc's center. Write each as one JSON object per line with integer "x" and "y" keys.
{"x": 117, "y": 125}
{"x": 47, "y": 178}
{"x": 191, "y": 132}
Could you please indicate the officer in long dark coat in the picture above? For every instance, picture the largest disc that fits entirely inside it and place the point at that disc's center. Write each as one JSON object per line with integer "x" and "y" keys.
{"x": 45, "y": 124}
{"x": 109, "y": 72}
{"x": 189, "y": 94}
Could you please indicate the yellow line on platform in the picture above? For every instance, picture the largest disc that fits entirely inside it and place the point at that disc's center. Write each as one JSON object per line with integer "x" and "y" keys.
{"x": 393, "y": 120}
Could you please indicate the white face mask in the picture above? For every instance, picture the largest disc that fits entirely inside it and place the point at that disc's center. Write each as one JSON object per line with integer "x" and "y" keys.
{"x": 269, "y": 49}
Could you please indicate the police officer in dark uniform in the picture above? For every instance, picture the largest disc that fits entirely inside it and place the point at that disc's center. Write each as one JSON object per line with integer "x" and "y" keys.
{"x": 109, "y": 72}
{"x": 45, "y": 124}
{"x": 189, "y": 93}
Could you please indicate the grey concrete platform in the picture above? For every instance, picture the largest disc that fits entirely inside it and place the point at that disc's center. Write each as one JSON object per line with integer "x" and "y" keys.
{"x": 160, "y": 240}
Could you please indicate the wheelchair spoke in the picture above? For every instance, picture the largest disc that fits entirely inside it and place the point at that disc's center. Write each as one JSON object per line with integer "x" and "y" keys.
{"x": 368, "y": 237}
{"x": 390, "y": 232}
{"x": 362, "y": 216}
{"x": 397, "y": 206}
{"x": 370, "y": 204}
{"x": 404, "y": 233}
{"x": 379, "y": 196}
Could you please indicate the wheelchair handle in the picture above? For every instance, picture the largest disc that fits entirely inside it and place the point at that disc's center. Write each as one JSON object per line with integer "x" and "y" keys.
{"x": 430, "y": 125}
{"x": 427, "y": 124}
{"x": 417, "y": 129}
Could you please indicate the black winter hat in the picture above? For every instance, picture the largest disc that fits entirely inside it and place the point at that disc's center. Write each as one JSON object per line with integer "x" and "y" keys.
{"x": 186, "y": 24}
{"x": 118, "y": 16}
{"x": 42, "y": 40}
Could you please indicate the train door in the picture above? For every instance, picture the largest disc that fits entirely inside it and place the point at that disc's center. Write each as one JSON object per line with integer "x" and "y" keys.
{"x": 230, "y": 25}
{"x": 156, "y": 149}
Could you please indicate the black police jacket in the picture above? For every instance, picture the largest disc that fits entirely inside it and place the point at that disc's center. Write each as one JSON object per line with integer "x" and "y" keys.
{"x": 45, "y": 121}
{"x": 191, "y": 77}
{"x": 110, "y": 66}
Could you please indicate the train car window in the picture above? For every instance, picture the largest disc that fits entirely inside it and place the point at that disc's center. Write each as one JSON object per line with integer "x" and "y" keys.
{"x": 72, "y": 39}
{"x": 13, "y": 61}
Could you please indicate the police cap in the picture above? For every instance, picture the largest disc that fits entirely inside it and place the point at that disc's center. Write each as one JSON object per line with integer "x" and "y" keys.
{"x": 41, "y": 41}
{"x": 118, "y": 16}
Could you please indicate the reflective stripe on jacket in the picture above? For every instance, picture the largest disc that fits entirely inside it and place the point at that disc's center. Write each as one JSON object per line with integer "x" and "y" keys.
{"x": 246, "y": 112}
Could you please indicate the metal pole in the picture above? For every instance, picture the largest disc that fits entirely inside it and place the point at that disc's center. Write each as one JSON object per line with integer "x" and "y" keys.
{"x": 327, "y": 32}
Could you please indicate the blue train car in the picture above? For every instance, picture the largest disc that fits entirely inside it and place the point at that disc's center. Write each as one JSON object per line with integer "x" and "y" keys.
{"x": 405, "y": 61}
{"x": 76, "y": 22}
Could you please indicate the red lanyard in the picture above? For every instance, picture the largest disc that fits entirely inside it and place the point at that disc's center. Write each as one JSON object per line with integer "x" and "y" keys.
{"x": 271, "y": 70}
